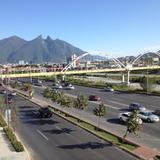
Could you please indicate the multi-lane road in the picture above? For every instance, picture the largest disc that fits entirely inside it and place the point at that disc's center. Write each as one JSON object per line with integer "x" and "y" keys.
{"x": 56, "y": 138}
{"x": 117, "y": 102}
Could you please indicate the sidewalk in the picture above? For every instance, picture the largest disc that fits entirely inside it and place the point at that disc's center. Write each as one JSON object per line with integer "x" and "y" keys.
{"x": 145, "y": 152}
{"x": 7, "y": 151}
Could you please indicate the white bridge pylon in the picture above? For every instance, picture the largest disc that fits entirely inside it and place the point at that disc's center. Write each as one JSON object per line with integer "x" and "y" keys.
{"x": 119, "y": 64}
{"x": 70, "y": 64}
{"x": 139, "y": 56}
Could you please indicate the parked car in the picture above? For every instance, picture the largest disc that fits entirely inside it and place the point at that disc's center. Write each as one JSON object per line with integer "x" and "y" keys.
{"x": 123, "y": 117}
{"x": 44, "y": 112}
{"x": 157, "y": 112}
{"x": 108, "y": 89}
{"x": 94, "y": 98}
{"x": 148, "y": 116}
{"x": 136, "y": 106}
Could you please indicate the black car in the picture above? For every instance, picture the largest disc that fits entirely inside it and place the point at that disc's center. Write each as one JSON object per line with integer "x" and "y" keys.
{"x": 45, "y": 112}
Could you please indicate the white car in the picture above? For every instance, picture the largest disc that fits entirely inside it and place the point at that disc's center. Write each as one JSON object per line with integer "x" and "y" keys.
{"x": 123, "y": 117}
{"x": 70, "y": 87}
{"x": 57, "y": 86}
{"x": 108, "y": 89}
{"x": 13, "y": 93}
{"x": 148, "y": 116}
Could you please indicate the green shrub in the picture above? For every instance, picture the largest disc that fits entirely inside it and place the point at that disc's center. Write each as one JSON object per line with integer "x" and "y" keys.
{"x": 18, "y": 146}
{"x": 12, "y": 138}
{"x": 2, "y": 122}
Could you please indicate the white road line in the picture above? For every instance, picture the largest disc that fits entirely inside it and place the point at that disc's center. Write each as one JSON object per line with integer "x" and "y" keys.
{"x": 109, "y": 106}
{"x": 57, "y": 127}
{"x": 42, "y": 134}
{"x": 118, "y": 103}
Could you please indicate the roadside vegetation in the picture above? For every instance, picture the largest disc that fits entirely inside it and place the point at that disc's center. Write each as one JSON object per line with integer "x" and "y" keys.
{"x": 12, "y": 138}
{"x": 10, "y": 128}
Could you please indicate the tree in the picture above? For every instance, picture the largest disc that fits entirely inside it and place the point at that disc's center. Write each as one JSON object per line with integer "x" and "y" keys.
{"x": 60, "y": 98}
{"x": 133, "y": 124}
{"x": 63, "y": 100}
{"x": 47, "y": 93}
{"x": 81, "y": 102}
{"x": 54, "y": 95}
{"x": 99, "y": 111}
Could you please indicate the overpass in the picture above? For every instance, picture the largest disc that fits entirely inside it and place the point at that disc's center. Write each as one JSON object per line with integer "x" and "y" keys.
{"x": 70, "y": 72}
{"x": 65, "y": 71}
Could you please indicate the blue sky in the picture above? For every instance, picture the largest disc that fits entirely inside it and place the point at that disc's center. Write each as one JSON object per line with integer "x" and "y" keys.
{"x": 119, "y": 27}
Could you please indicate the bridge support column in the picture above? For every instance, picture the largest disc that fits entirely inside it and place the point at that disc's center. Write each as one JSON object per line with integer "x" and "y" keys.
{"x": 128, "y": 76}
{"x": 122, "y": 78}
{"x": 63, "y": 77}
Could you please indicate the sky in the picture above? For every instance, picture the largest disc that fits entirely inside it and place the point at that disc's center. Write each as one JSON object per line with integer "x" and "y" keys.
{"x": 117, "y": 27}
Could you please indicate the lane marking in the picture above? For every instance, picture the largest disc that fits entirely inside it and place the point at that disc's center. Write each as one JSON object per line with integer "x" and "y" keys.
{"x": 109, "y": 106}
{"x": 118, "y": 103}
{"x": 42, "y": 134}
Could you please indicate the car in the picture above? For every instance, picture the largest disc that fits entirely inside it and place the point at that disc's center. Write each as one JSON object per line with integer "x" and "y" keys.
{"x": 44, "y": 112}
{"x": 70, "y": 87}
{"x": 13, "y": 93}
{"x": 123, "y": 117}
{"x": 148, "y": 116}
{"x": 108, "y": 89}
{"x": 136, "y": 106}
{"x": 3, "y": 91}
{"x": 57, "y": 86}
{"x": 94, "y": 98}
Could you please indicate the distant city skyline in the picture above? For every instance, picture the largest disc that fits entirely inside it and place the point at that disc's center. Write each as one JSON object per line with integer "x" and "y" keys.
{"x": 118, "y": 27}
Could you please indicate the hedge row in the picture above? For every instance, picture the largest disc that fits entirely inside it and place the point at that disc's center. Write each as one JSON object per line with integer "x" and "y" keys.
{"x": 2, "y": 122}
{"x": 15, "y": 143}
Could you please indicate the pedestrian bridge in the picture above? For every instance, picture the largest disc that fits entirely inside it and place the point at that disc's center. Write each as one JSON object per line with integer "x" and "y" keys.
{"x": 70, "y": 72}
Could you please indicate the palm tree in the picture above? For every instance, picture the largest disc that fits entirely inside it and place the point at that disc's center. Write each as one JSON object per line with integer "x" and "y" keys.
{"x": 47, "y": 93}
{"x": 99, "y": 111}
{"x": 133, "y": 124}
{"x": 80, "y": 103}
{"x": 54, "y": 95}
{"x": 63, "y": 100}
{"x": 60, "y": 97}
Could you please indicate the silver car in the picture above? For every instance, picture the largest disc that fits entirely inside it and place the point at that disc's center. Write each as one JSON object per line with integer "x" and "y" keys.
{"x": 136, "y": 106}
{"x": 148, "y": 116}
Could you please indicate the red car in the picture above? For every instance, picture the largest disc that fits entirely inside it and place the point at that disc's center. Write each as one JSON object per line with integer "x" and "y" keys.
{"x": 94, "y": 98}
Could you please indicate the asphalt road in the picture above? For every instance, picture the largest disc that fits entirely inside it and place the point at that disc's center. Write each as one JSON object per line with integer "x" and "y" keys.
{"x": 57, "y": 139}
{"x": 118, "y": 102}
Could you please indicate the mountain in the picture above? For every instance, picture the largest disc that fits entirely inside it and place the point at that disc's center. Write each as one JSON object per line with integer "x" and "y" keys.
{"x": 9, "y": 45}
{"x": 38, "y": 50}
